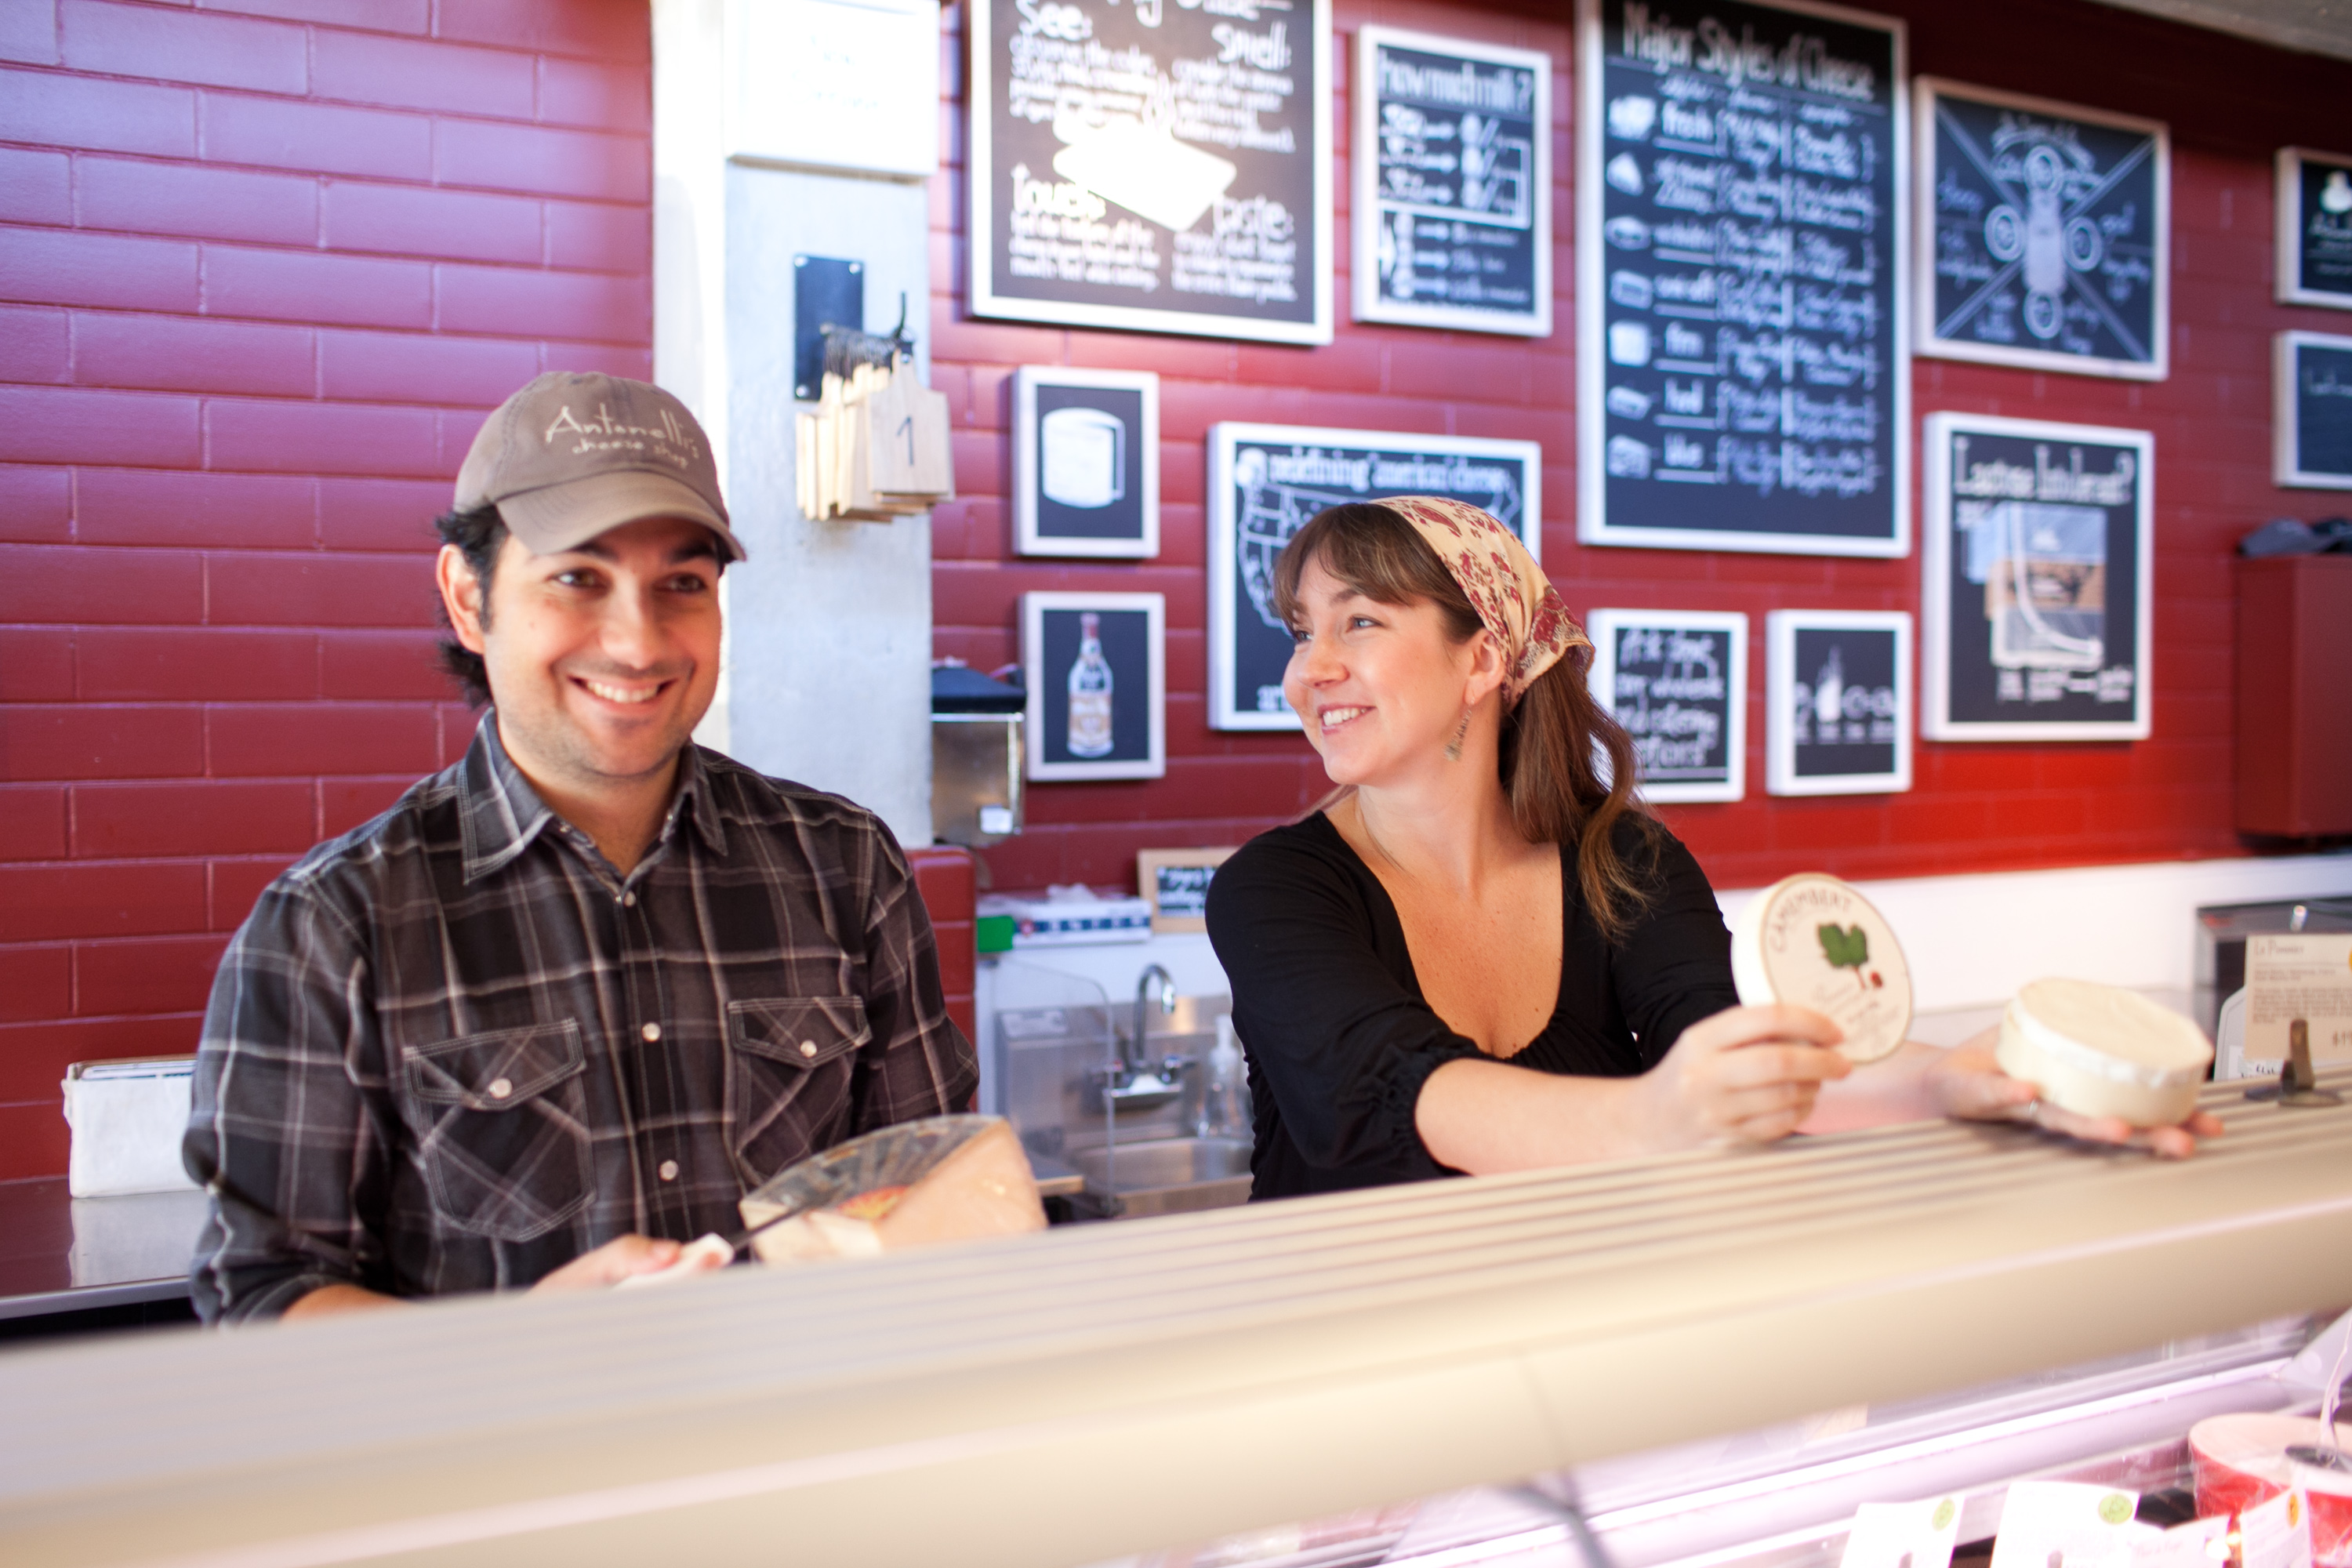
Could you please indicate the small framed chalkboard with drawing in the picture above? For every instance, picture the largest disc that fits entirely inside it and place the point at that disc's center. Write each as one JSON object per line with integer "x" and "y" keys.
{"x": 1175, "y": 883}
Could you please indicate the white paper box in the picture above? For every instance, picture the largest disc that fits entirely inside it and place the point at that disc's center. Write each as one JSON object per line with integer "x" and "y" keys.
{"x": 128, "y": 1118}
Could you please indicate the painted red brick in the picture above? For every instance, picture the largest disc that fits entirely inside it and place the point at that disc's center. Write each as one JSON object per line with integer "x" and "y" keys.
{"x": 598, "y": 237}
{"x": 235, "y": 885}
{"x": 315, "y": 138}
{"x": 61, "y": 266}
{"x": 35, "y": 504}
{"x": 161, "y": 506}
{"x": 405, "y": 73}
{"x": 34, "y": 1057}
{"x": 194, "y": 664}
{"x": 65, "y": 584}
{"x": 609, "y": 98}
{"x": 34, "y": 345}
{"x": 393, "y": 367}
{"x": 32, "y": 819}
{"x": 149, "y": 41}
{"x": 116, "y": 742}
{"x": 543, "y": 304}
{"x": 381, "y": 514}
{"x": 612, "y": 359}
{"x": 272, "y": 740}
{"x": 413, "y": 220}
{"x": 211, "y": 204}
{"x": 616, "y": 30}
{"x": 320, "y": 438}
{"x": 34, "y": 1140}
{"x": 55, "y": 110}
{"x": 346, "y": 803}
{"x": 173, "y": 975}
{"x": 377, "y": 15}
{"x": 45, "y": 903}
{"x": 28, "y": 33}
{"x": 454, "y": 433}
{"x": 320, "y": 590}
{"x": 35, "y": 982}
{"x": 35, "y": 187}
{"x": 36, "y": 664}
{"x": 542, "y": 159}
{"x": 181, "y": 353}
{"x": 387, "y": 665}
{"x": 308, "y": 285}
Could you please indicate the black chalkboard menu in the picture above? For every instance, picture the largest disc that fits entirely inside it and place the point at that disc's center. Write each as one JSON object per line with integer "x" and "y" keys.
{"x": 1677, "y": 682}
{"x": 1743, "y": 170}
{"x": 1452, "y": 191}
{"x": 2314, "y": 228}
{"x": 1161, "y": 167}
{"x": 2043, "y": 233}
{"x": 2310, "y": 418}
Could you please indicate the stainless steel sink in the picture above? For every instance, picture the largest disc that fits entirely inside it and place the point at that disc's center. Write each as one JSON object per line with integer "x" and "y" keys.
{"x": 1171, "y": 1175}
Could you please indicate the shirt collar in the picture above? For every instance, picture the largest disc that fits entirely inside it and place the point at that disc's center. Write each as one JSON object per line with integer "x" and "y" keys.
{"x": 501, "y": 813}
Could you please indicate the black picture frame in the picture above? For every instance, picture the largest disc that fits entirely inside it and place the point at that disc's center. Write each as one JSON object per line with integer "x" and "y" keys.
{"x": 1677, "y": 682}
{"x": 2314, "y": 228}
{"x": 2311, "y": 411}
{"x": 1838, "y": 702}
{"x": 1133, "y": 634}
{"x": 1085, "y": 462}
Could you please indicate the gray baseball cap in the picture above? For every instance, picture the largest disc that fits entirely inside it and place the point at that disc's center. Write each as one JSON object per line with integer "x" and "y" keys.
{"x": 571, "y": 455}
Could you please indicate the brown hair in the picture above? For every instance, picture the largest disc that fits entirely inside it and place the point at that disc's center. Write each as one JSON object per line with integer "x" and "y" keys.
{"x": 1547, "y": 764}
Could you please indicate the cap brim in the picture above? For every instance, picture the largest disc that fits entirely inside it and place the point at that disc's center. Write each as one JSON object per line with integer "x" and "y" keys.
{"x": 556, "y": 518}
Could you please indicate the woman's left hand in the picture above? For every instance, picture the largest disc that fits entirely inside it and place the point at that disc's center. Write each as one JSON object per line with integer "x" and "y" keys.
{"x": 1967, "y": 1083}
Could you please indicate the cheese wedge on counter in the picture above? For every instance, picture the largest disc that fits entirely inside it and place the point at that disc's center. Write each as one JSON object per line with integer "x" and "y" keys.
{"x": 2100, "y": 1050}
{"x": 1814, "y": 942}
{"x": 945, "y": 1178}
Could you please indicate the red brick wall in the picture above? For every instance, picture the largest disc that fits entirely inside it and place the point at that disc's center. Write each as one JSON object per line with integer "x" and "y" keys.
{"x": 267, "y": 263}
{"x": 2230, "y": 104}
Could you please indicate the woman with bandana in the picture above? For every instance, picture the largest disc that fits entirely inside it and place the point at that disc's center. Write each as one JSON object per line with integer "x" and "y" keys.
{"x": 1481, "y": 954}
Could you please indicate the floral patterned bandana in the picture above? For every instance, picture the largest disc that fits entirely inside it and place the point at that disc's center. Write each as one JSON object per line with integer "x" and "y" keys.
{"x": 1513, "y": 598}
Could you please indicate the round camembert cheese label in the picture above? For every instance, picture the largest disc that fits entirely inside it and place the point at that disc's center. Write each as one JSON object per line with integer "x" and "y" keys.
{"x": 1814, "y": 942}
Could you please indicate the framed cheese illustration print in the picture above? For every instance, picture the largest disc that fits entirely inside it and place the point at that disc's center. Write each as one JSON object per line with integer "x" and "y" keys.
{"x": 1085, "y": 462}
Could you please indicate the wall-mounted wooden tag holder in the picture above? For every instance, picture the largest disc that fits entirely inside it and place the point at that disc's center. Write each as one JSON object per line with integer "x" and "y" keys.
{"x": 875, "y": 449}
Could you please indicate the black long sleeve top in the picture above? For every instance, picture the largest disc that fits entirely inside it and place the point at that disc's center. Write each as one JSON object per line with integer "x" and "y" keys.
{"x": 1339, "y": 1039}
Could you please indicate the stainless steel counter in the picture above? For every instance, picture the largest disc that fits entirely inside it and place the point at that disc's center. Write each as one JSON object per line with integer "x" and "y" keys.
{"x": 63, "y": 1254}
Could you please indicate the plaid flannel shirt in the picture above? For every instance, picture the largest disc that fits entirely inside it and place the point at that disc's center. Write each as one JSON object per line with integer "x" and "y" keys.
{"x": 456, "y": 1048}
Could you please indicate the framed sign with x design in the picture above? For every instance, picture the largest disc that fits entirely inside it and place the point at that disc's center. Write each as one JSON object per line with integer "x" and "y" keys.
{"x": 2043, "y": 230}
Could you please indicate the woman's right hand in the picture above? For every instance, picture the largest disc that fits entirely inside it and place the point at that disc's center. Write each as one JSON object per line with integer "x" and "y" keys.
{"x": 1748, "y": 1075}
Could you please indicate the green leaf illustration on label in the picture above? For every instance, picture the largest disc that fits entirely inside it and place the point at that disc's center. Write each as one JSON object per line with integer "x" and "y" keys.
{"x": 1846, "y": 947}
{"x": 2115, "y": 1508}
{"x": 1945, "y": 1511}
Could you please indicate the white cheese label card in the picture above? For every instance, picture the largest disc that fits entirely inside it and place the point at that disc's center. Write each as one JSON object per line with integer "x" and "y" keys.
{"x": 2065, "y": 1524}
{"x": 1904, "y": 1534}
{"x": 2199, "y": 1543}
{"x": 2277, "y": 1533}
{"x": 2308, "y": 976}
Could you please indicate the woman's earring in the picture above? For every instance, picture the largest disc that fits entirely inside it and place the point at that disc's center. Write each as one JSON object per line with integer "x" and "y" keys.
{"x": 1454, "y": 746}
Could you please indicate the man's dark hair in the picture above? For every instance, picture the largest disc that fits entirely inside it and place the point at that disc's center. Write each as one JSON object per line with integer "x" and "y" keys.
{"x": 479, "y": 535}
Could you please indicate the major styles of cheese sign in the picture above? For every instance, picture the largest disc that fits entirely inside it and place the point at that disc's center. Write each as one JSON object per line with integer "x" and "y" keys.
{"x": 1152, "y": 166}
{"x": 1745, "y": 377}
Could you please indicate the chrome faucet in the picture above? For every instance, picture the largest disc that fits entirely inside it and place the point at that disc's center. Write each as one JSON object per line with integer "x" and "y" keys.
{"x": 1131, "y": 1079}
{"x": 1130, "y": 1052}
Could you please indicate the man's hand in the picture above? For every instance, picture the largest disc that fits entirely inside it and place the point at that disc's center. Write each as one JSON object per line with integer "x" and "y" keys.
{"x": 1748, "y": 1075}
{"x": 1969, "y": 1085}
{"x": 622, "y": 1258}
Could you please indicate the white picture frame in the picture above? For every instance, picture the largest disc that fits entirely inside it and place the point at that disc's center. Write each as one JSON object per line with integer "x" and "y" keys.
{"x": 1594, "y": 522}
{"x": 2293, "y": 288}
{"x": 1941, "y": 658}
{"x": 2288, "y": 457}
{"x": 1108, "y": 463}
{"x": 1370, "y": 303}
{"x": 1785, "y": 635}
{"x": 1929, "y": 337}
{"x": 1313, "y": 227}
{"x": 1140, "y": 751}
{"x": 1608, "y": 629}
{"x": 1235, "y": 562}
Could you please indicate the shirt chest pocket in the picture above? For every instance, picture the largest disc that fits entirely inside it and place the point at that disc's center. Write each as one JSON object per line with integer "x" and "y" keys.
{"x": 792, "y": 1062}
{"x": 501, "y": 1128}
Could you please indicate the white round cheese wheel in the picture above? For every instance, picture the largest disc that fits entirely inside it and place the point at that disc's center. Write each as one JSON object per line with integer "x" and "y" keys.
{"x": 2099, "y": 1050}
{"x": 1812, "y": 941}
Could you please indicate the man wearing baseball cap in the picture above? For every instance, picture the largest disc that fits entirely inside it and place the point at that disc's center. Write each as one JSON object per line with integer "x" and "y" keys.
{"x": 558, "y": 1009}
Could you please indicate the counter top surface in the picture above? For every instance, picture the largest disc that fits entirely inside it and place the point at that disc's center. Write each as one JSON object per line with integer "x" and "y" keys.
{"x": 61, "y": 1254}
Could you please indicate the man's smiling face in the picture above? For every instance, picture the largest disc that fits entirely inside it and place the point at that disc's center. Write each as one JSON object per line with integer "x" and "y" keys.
{"x": 602, "y": 658}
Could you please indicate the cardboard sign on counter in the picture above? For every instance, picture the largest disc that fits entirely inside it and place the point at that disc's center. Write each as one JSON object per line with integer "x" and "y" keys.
{"x": 2306, "y": 976}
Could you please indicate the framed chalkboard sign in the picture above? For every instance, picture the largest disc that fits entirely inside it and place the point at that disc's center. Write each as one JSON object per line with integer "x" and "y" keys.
{"x": 2314, "y": 228}
{"x": 1677, "y": 680}
{"x": 2043, "y": 233}
{"x": 1837, "y": 701}
{"x": 1452, "y": 195}
{"x": 1162, "y": 168}
{"x": 1744, "y": 380}
{"x": 1085, "y": 462}
{"x": 1097, "y": 672}
{"x": 1175, "y": 883}
{"x": 1266, "y": 480}
{"x": 2037, "y": 599}
{"x": 2311, "y": 417}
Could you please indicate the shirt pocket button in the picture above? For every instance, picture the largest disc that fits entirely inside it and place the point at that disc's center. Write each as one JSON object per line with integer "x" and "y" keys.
{"x": 502, "y": 1088}
{"x": 808, "y": 1048}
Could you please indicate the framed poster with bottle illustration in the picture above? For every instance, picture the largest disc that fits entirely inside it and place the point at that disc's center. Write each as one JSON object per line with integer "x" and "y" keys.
{"x": 1266, "y": 480}
{"x": 2043, "y": 233}
{"x": 2037, "y": 584}
{"x": 1837, "y": 701}
{"x": 1085, "y": 462}
{"x": 2314, "y": 228}
{"x": 1096, "y": 671}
